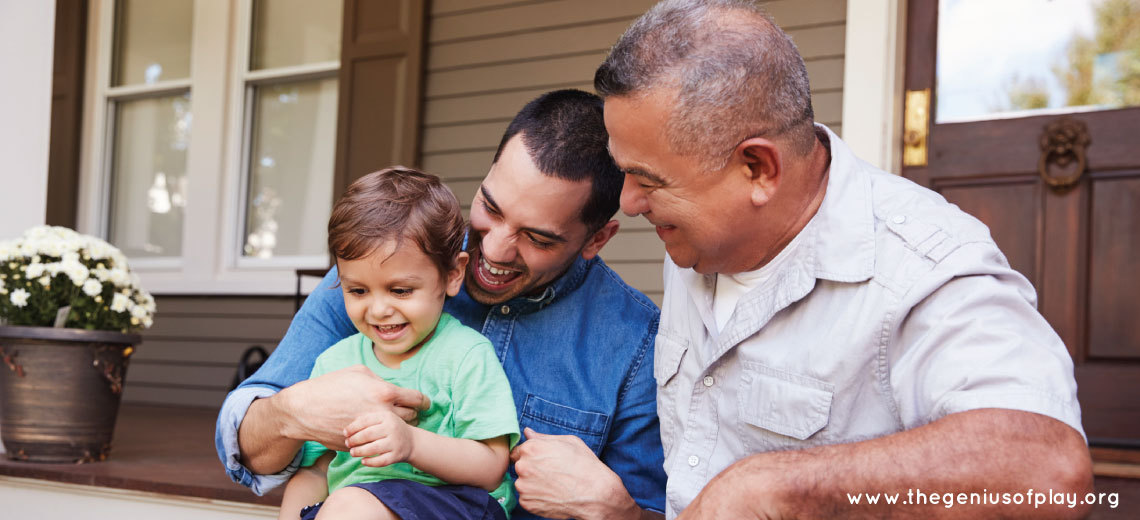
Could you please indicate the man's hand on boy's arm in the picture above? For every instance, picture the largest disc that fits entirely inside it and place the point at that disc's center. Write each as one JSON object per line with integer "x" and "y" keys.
{"x": 317, "y": 409}
{"x": 559, "y": 477}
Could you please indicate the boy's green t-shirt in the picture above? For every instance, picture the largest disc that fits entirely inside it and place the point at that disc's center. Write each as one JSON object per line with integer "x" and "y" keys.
{"x": 470, "y": 399}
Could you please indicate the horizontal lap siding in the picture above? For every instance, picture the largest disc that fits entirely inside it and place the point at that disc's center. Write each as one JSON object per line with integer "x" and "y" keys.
{"x": 190, "y": 355}
{"x": 487, "y": 58}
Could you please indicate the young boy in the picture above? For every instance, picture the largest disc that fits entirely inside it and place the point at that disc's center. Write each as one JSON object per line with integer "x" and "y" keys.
{"x": 396, "y": 235}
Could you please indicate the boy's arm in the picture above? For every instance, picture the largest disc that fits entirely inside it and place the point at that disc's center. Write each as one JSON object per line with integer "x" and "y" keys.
{"x": 383, "y": 438}
{"x": 307, "y": 487}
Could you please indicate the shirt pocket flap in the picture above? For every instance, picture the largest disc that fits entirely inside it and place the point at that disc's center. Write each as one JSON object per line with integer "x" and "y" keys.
{"x": 788, "y": 404}
{"x": 545, "y": 416}
{"x": 667, "y": 356}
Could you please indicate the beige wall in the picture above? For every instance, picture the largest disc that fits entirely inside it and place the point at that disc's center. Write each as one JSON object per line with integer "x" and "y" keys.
{"x": 485, "y": 60}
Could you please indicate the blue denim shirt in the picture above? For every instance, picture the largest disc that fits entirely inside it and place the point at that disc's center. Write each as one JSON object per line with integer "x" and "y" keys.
{"x": 579, "y": 359}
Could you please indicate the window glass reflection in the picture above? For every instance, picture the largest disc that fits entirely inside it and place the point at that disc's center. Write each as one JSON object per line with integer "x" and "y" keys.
{"x": 291, "y": 169}
{"x": 152, "y": 41}
{"x": 1020, "y": 57}
{"x": 148, "y": 175}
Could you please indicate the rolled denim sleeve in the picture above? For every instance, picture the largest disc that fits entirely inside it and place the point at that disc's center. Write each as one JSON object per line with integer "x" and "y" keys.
{"x": 634, "y": 449}
{"x": 320, "y": 323}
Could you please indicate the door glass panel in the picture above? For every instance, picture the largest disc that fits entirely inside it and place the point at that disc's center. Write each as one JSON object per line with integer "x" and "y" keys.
{"x": 148, "y": 176}
{"x": 152, "y": 41}
{"x": 1025, "y": 57}
{"x": 291, "y": 168}
{"x": 295, "y": 32}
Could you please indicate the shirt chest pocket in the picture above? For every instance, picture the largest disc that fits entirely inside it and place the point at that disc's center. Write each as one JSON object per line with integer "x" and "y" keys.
{"x": 548, "y": 417}
{"x": 780, "y": 402}
{"x": 667, "y": 356}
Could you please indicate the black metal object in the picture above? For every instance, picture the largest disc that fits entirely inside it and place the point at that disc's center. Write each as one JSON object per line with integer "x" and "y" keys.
{"x": 60, "y": 391}
{"x": 301, "y": 273}
{"x": 247, "y": 365}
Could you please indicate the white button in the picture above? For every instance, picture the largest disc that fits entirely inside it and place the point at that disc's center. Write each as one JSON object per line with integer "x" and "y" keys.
{"x": 709, "y": 380}
{"x": 898, "y": 219}
{"x": 694, "y": 460}
{"x": 505, "y": 310}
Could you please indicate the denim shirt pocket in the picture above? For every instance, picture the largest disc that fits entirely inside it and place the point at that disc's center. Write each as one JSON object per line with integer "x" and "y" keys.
{"x": 552, "y": 418}
{"x": 788, "y": 404}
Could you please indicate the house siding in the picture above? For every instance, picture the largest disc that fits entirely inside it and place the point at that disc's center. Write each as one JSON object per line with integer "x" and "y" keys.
{"x": 190, "y": 355}
{"x": 485, "y": 60}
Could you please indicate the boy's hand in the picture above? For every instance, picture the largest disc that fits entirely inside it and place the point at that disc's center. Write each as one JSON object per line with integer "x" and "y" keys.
{"x": 319, "y": 408}
{"x": 380, "y": 438}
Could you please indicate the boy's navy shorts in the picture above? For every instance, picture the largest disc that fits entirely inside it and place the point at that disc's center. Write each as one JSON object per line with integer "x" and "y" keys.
{"x": 414, "y": 501}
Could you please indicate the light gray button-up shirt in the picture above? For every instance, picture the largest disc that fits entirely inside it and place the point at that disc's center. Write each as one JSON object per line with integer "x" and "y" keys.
{"x": 896, "y": 310}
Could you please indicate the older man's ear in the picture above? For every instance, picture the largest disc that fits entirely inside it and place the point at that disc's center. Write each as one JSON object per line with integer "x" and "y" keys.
{"x": 761, "y": 161}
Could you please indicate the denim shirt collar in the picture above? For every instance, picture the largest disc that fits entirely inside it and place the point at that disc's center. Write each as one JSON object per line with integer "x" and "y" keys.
{"x": 560, "y": 287}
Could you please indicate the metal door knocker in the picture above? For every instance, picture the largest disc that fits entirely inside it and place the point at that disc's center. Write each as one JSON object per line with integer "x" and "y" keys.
{"x": 1063, "y": 146}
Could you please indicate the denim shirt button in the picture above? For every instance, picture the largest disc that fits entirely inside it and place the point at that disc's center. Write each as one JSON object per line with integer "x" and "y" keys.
{"x": 504, "y": 310}
{"x": 694, "y": 460}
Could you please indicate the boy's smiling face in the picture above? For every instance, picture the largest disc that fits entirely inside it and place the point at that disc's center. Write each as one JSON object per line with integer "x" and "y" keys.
{"x": 394, "y": 295}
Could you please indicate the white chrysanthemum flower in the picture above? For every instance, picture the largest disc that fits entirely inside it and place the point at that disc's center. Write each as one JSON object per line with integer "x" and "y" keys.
{"x": 19, "y": 297}
{"x": 138, "y": 311}
{"x": 92, "y": 287}
{"x": 147, "y": 302}
{"x": 76, "y": 271}
{"x": 8, "y": 248}
{"x": 45, "y": 281}
{"x": 101, "y": 273}
{"x": 147, "y": 322}
{"x": 119, "y": 277}
{"x": 120, "y": 303}
{"x": 35, "y": 270}
{"x": 70, "y": 257}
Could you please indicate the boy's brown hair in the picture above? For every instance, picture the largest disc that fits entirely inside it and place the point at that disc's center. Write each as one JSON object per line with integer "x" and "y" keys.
{"x": 397, "y": 203}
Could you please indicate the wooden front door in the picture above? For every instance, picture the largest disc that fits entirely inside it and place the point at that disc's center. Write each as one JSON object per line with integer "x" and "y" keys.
{"x": 1034, "y": 128}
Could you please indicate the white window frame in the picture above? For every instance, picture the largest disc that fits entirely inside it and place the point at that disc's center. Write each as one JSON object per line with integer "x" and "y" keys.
{"x": 216, "y": 164}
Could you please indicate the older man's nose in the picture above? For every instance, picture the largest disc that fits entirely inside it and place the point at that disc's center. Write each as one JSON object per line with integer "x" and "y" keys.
{"x": 633, "y": 201}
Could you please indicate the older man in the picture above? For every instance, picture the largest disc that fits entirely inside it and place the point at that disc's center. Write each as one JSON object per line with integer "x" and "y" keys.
{"x": 575, "y": 341}
{"x": 827, "y": 329}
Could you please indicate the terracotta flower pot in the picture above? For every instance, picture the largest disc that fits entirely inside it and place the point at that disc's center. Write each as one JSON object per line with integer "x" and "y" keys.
{"x": 60, "y": 391}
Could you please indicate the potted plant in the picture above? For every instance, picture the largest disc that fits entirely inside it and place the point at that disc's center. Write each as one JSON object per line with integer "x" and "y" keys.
{"x": 69, "y": 310}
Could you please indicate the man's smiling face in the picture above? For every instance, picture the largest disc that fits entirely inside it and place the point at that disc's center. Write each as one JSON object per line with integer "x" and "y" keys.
{"x": 526, "y": 228}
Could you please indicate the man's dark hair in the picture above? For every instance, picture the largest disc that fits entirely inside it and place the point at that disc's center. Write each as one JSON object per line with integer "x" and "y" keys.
{"x": 565, "y": 135}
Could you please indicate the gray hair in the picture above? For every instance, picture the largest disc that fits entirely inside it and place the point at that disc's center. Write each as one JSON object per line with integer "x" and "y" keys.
{"x": 737, "y": 75}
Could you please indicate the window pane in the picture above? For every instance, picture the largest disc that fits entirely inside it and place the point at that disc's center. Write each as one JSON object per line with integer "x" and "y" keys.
{"x": 148, "y": 177}
{"x": 291, "y": 168}
{"x": 152, "y": 41}
{"x": 295, "y": 32}
{"x": 1020, "y": 57}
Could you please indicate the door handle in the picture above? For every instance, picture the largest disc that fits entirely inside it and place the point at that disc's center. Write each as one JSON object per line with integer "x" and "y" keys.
{"x": 916, "y": 127}
{"x": 1063, "y": 142}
